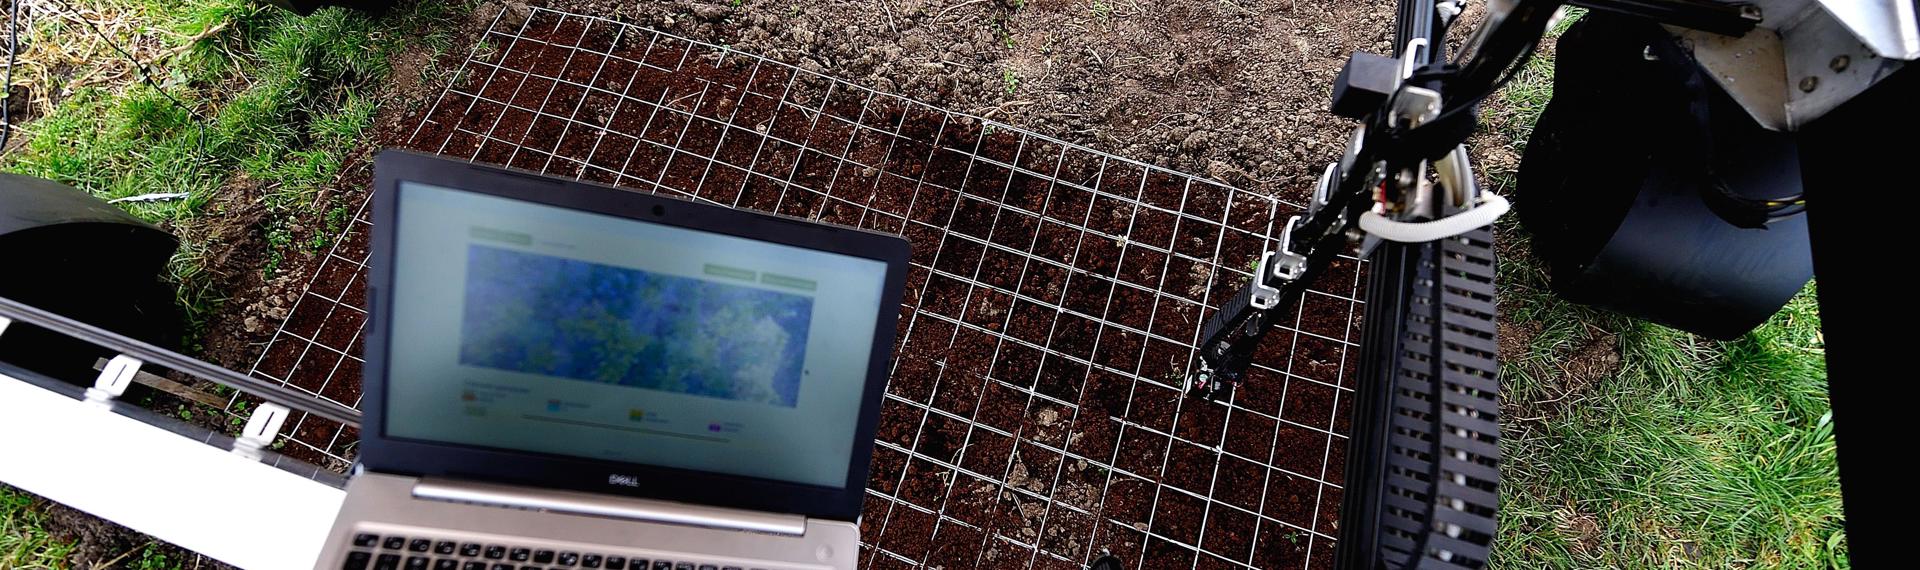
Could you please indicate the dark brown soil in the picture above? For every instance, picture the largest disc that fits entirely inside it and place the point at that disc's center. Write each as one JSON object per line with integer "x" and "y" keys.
{"x": 1232, "y": 90}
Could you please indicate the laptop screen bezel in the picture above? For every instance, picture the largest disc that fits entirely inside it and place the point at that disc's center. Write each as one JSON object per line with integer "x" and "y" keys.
{"x": 384, "y": 454}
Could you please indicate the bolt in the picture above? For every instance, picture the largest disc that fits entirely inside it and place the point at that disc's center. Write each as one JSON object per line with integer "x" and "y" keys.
{"x": 1809, "y": 83}
{"x": 1839, "y": 63}
{"x": 1751, "y": 12}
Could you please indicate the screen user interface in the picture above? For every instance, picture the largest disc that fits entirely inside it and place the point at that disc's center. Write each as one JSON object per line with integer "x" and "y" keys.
{"x": 532, "y": 327}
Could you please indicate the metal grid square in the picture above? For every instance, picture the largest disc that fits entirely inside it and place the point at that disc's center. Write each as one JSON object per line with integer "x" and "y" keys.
{"x": 1084, "y": 276}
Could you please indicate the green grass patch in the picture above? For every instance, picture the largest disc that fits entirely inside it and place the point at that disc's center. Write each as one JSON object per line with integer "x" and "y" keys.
{"x": 24, "y": 541}
{"x": 1630, "y": 445}
{"x": 248, "y": 90}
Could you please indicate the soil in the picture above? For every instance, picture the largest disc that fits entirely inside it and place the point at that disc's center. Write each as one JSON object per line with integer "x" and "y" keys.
{"x": 1232, "y": 90}
{"x": 1565, "y": 377}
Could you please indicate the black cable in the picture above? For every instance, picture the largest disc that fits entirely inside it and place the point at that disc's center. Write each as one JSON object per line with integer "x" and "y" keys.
{"x": 145, "y": 74}
{"x": 1454, "y": 108}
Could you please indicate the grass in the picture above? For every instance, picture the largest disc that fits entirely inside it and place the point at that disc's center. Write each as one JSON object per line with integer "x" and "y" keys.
{"x": 24, "y": 542}
{"x": 239, "y": 92}
{"x": 1685, "y": 453}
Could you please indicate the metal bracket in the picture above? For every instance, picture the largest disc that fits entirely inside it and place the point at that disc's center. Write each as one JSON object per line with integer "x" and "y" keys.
{"x": 1889, "y": 27}
{"x": 1286, "y": 266}
{"x": 1807, "y": 58}
{"x": 1289, "y": 266}
{"x": 1323, "y": 189}
{"x": 1416, "y": 51}
{"x": 113, "y": 380}
{"x": 1413, "y": 106}
{"x": 262, "y": 426}
{"x": 1264, "y": 296}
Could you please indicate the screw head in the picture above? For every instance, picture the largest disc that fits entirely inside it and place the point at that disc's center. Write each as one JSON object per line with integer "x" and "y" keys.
{"x": 1839, "y": 63}
{"x": 1809, "y": 83}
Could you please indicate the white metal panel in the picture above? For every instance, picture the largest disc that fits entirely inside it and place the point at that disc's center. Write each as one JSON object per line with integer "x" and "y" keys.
{"x": 179, "y": 490}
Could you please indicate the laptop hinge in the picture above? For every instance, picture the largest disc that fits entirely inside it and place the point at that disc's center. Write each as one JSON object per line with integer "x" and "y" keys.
{"x": 629, "y": 508}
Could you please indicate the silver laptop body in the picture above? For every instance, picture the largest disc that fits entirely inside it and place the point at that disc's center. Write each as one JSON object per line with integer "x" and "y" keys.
{"x": 566, "y": 375}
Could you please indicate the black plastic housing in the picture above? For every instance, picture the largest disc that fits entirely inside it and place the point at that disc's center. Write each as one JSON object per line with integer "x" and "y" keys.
{"x": 1625, "y": 177}
{"x": 1364, "y": 84}
{"x": 68, "y": 252}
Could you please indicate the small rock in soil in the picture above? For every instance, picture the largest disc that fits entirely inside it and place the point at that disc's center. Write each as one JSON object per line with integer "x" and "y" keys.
{"x": 710, "y": 12}
{"x": 1032, "y": 511}
{"x": 1018, "y": 475}
{"x": 1195, "y": 142}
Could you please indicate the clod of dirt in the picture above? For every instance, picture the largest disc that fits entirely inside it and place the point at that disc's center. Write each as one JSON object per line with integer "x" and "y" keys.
{"x": 1078, "y": 494}
{"x": 1583, "y": 528}
{"x": 1033, "y": 511}
{"x": 711, "y": 13}
{"x": 1516, "y": 338}
{"x": 512, "y": 14}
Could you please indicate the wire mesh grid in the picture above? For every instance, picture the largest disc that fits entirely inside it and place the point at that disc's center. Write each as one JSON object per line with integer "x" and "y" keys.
{"x": 1034, "y": 415}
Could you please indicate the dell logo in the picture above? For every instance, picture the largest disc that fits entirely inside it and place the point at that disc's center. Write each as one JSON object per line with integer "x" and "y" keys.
{"x": 623, "y": 480}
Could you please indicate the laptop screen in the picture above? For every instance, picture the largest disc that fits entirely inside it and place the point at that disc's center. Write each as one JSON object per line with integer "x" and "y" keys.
{"x": 530, "y": 327}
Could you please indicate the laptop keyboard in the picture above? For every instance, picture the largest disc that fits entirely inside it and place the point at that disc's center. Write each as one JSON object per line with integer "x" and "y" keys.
{"x": 375, "y": 552}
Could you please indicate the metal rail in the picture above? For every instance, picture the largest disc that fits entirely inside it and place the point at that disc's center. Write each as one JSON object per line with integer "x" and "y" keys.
{"x": 15, "y": 311}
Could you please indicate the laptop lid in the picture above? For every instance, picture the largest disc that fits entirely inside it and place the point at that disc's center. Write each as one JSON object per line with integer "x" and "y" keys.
{"x": 538, "y": 331}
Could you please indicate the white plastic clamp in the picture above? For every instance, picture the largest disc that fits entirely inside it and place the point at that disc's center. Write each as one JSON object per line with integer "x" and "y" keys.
{"x": 113, "y": 380}
{"x": 261, "y": 428}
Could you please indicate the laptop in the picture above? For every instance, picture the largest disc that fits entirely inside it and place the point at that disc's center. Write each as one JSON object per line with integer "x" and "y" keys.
{"x": 567, "y": 375}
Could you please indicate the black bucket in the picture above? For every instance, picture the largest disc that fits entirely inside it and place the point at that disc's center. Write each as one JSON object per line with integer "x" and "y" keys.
{"x": 68, "y": 252}
{"x": 1650, "y": 192}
